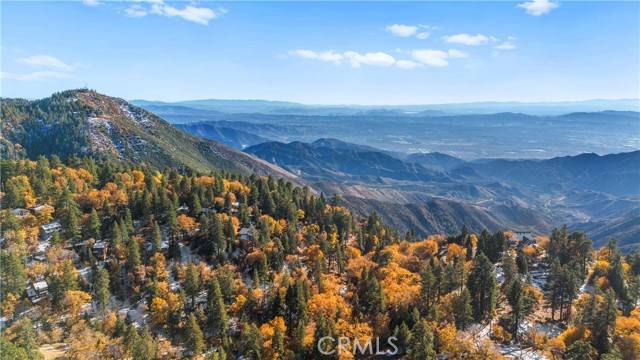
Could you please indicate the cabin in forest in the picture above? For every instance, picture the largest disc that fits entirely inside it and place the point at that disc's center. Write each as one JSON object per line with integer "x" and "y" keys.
{"x": 99, "y": 249}
{"x": 246, "y": 236}
{"x": 47, "y": 230}
{"x": 20, "y": 213}
{"x": 37, "y": 291}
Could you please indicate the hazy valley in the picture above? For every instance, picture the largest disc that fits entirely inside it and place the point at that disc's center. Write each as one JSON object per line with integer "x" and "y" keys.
{"x": 432, "y": 171}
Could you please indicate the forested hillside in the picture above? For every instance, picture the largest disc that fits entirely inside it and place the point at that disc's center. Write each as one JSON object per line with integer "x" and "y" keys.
{"x": 83, "y": 122}
{"x": 105, "y": 259}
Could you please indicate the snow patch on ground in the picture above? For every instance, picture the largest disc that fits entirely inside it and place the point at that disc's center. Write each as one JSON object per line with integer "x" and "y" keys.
{"x": 99, "y": 134}
{"x": 137, "y": 115}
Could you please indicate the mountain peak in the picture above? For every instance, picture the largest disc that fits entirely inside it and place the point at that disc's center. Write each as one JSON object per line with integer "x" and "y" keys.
{"x": 83, "y": 122}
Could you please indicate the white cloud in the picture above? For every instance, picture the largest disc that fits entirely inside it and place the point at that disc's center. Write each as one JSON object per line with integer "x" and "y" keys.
{"x": 198, "y": 15}
{"x": 91, "y": 2}
{"x": 507, "y": 45}
{"x": 419, "y": 58}
{"x": 37, "y": 75}
{"x": 135, "y": 11}
{"x": 402, "y": 30}
{"x": 406, "y": 31}
{"x": 45, "y": 61}
{"x": 437, "y": 58}
{"x": 538, "y": 7}
{"x": 373, "y": 59}
{"x": 327, "y": 56}
{"x": 407, "y": 64}
{"x": 467, "y": 39}
{"x": 191, "y": 12}
{"x": 457, "y": 54}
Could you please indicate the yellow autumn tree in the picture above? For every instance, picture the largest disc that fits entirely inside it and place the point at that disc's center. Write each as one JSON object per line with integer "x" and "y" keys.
{"x": 73, "y": 301}
{"x": 400, "y": 287}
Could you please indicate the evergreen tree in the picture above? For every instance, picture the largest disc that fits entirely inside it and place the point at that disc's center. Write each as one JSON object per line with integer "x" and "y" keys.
{"x": 421, "y": 343}
{"x": 521, "y": 305}
{"x": 217, "y": 315}
{"x": 93, "y": 225}
{"x": 580, "y": 350}
{"x": 462, "y": 311}
{"x": 603, "y": 324}
{"x": 13, "y": 274}
{"x": 194, "y": 335}
{"x": 403, "y": 334}
{"x": 251, "y": 340}
{"x": 219, "y": 240}
{"x": 133, "y": 254}
{"x": 616, "y": 277}
{"x": 192, "y": 283}
{"x": 73, "y": 223}
{"x": 324, "y": 328}
{"x": 156, "y": 237}
{"x": 510, "y": 271}
{"x": 102, "y": 289}
{"x": 482, "y": 287}
{"x": 128, "y": 222}
{"x": 522, "y": 262}
{"x": 69, "y": 277}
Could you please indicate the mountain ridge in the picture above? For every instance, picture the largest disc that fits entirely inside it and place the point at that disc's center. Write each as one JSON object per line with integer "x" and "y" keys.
{"x": 84, "y": 122}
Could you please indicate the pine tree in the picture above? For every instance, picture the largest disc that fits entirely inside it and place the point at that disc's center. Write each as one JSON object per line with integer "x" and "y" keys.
{"x": 93, "y": 225}
{"x": 69, "y": 277}
{"x": 520, "y": 305}
{"x": 403, "y": 334}
{"x": 102, "y": 289}
{"x": 128, "y": 220}
{"x": 510, "y": 271}
{"x": 421, "y": 344}
{"x": 429, "y": 286}
{"x": 482, "y": 288}
{"x": 251, "y": 340}
{"x": 462, "y": 311}
{"x": 172, "y": 223}
{"x": 192, "y": 283}
{"x": 603, "y": 324}
{"x": 219, "y": 241}
{"x": 277, "y": 343}
{"x": 324, "y": 328}
{"x": 217, "y": 316}
{"x": 553, "y": 287}
{"x": 523, "y": 263}
{"x": 13, "y": 197}
{"x": 616, "y": 277}
{"x": 156, "y": 237}
{"x": 194, "y": 335}
{"x": 133, "y": 254}
{"x": 116, "y": 235}
{"x": 73, "y": 223}
{"x": 580, "y": 350}
{"x": 13, "y": 274}
{"x": 146, "y": 347}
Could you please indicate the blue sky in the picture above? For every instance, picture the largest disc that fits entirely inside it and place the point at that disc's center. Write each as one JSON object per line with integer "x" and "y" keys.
{"x": 324, "y": 52}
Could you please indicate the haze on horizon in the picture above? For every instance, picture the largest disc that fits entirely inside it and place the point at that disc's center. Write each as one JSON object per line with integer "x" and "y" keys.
{"x": 366, "y": 54}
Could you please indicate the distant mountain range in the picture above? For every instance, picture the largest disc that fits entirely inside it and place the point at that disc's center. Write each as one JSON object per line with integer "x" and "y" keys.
{"x": 616, "y": 174}
{"x": 293, "y": 108}
{"x": 436, "y": 192}
{"x": 467, "y": 136}
{"x": 338, "y": 160}
{"x": 229, "y": 136}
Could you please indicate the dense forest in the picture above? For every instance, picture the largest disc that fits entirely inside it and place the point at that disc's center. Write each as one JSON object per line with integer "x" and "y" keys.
{"x": 105, "y": 260}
